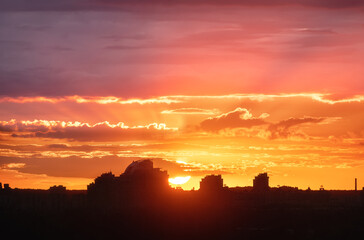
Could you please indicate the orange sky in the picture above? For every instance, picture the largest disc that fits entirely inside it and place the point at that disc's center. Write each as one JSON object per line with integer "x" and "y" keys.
{"x": 230, "y": 88}
{"x": 299, "y": 139}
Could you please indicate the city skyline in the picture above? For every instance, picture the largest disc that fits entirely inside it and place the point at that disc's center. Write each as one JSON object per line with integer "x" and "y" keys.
{"x": 139, "y": 203}
{"x": 143, "y": 178}
{"x": 210, "y": 182}
{"x": 232, "y": 88}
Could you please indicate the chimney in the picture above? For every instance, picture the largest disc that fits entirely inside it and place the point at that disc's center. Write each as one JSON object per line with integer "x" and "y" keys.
{"x": 356, "y": 184}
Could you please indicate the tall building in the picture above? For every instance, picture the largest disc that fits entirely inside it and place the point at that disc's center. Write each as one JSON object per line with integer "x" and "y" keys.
{"x": 142, "y": 175}
{"x": 212, "y": 183}
{"x": 261, "y": 182}
{"x": 139, "y": 177}
{"x": 6, "y": 187}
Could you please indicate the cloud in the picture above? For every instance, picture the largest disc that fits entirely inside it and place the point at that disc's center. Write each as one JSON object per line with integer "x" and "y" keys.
{"x": 88, "y": 149}
{"x": 239, "y": 118}
{"x": 89, "y": 99}
{"x": 242, "y": 122}
{"x": 77, "y": 131}
{"x": 176, "y": 168}
{"x": 173, "y": 99}
{"x": 79, "y": 5}
{"x": 92, "y": 167}
{"x": 284, "y": 129}
{"x": 307, "y": 3}
{"x": 191, "y": 111}
{"x": 58, "y": 146}
{"x": 14, "y": 165}
{"x": 316, "y": 31}
{"x": 72, "y": 166}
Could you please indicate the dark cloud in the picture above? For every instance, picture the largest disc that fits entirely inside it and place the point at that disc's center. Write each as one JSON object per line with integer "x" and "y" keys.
{"x": 239, "y": 118}
{"x": 60, "y": 48}
{"x": 193, "y": 111}
{"x": 15, "y": 45}
{"x": 7, "y": 128}
{"x": 242, "y": 118}
{"x": 309, "y": 3}
{"x": 221, "y": 37}
{"x": 50, "y": 81}
{"x": 112, "y": 54}
{"x": 102, "y": 134}
{"x": 84, "y": 132}
{"x": 20, "y": 148}
{"x": 14, "y": 126}
{"x": 59, "y": 81}
{"x": 59, "y": 146}
{"x": 45, "y": 5}
{"x": 78, "y": 5}
{"x": 112, "y": 148}
{"x": 34, "y": 82}
{"x": 127, "y": 35}
{"x": 284, "y": 129}
{"x": 28, "y": 27}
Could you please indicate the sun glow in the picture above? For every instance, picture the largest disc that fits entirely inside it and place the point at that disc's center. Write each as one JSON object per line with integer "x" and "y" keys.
{"x": 179, "y": 180}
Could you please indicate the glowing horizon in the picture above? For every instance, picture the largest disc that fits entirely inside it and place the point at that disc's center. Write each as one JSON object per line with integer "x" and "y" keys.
{"x": 179, "y": 180}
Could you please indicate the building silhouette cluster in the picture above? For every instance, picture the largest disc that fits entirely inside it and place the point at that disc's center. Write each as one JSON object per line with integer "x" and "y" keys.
{"x": 5, "y": 188}
{"x": 140, "y": 177}
{"x": 140, "y": 204}
{"x": 57, "y": 189}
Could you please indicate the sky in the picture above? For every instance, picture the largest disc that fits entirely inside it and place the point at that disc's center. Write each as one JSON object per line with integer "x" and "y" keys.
{"x": 201, "y": 87}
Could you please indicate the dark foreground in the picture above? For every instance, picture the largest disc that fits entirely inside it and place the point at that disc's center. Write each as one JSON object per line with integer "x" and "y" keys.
{"x": 229, "y": 214}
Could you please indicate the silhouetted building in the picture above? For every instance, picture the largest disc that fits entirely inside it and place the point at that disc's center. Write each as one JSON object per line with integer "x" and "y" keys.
{"x": 142, "y": 175}
{"x": 139, "y": 177}
{"x": 1, "y": 186}
{"x": 212, "y": 183}
{"x": 105, "y": 180}
{"x": 57, "y": 189}
{"x": 261, "y": 182}
{"x": 139, "y": 166}
{"x": 289, "y": 189}
{"x": 6, "y": 187}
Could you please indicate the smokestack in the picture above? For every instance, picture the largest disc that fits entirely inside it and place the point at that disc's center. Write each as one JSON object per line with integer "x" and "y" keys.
{"x": 356, "y": 184}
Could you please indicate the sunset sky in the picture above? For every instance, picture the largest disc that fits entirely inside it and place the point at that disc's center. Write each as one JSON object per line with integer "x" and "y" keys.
{"x": 202, "y": 87}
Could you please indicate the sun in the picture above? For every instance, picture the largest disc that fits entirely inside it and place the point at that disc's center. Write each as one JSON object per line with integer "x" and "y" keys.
{"x": 179, "y": 180}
